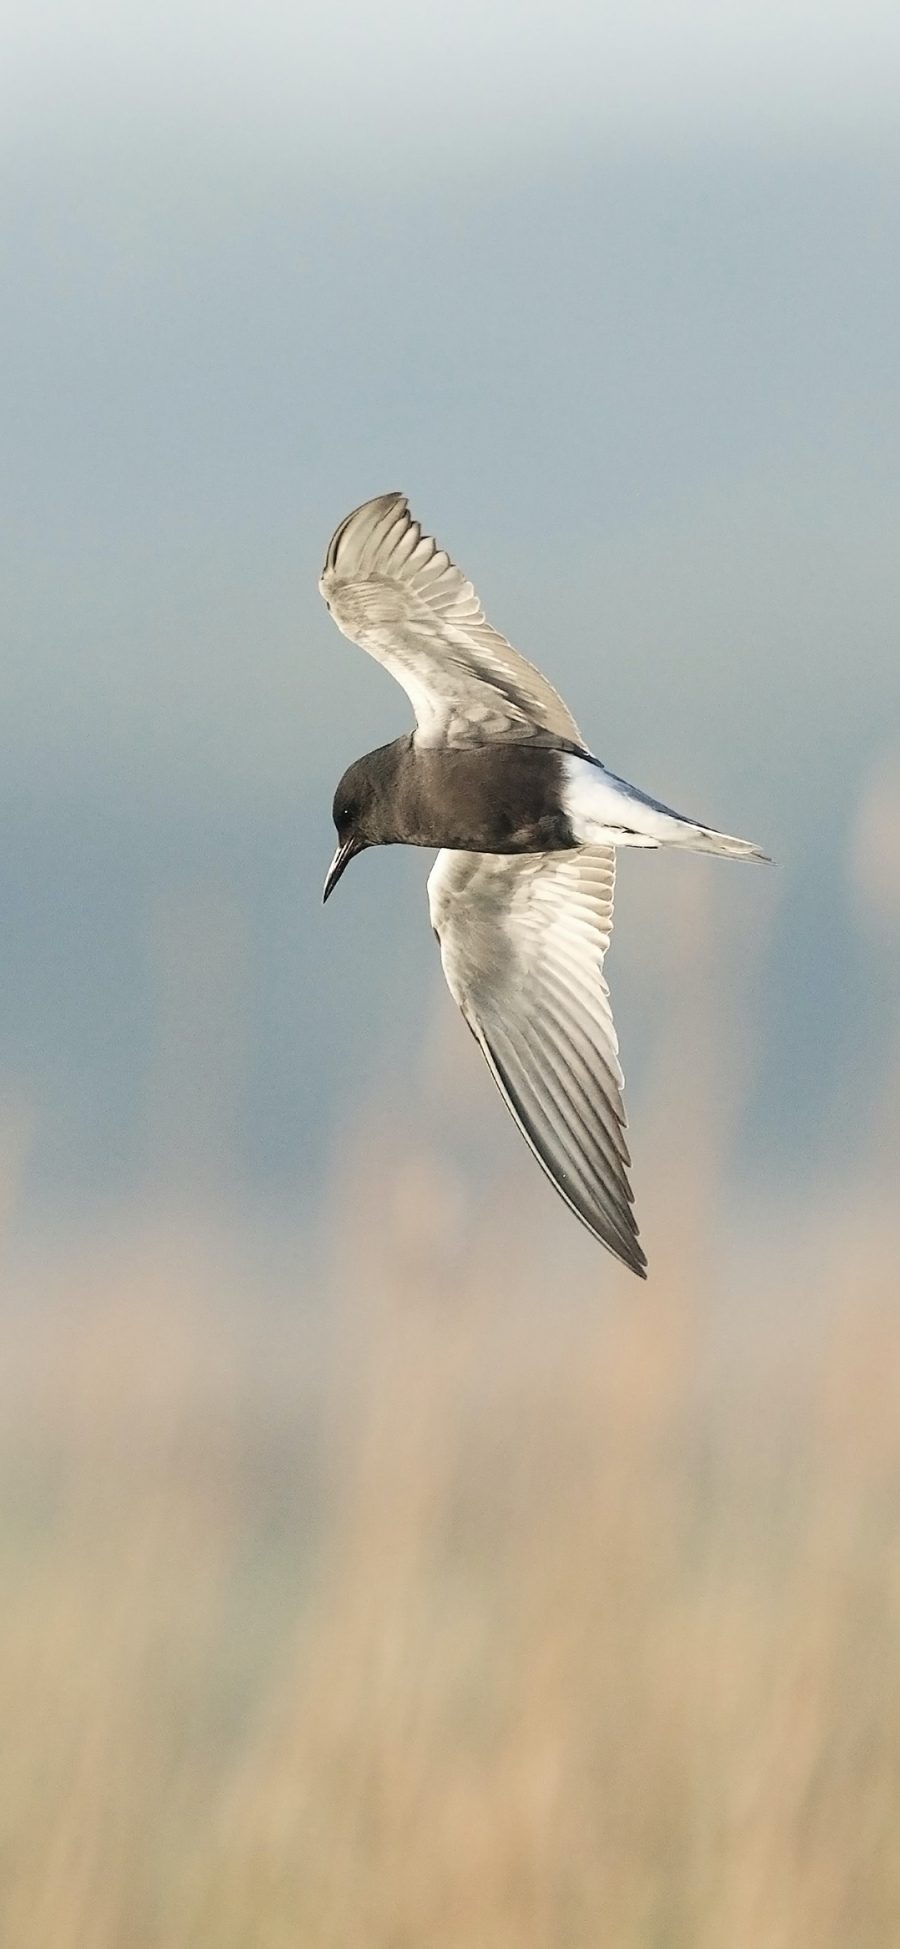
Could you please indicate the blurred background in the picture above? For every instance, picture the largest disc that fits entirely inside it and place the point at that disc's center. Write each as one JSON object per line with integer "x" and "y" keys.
{"x": 379, "y": 1564}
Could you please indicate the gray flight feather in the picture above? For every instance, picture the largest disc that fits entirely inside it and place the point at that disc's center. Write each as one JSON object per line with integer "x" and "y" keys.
{"x": 393, "y": 591}
{"x": 522, "y": 945}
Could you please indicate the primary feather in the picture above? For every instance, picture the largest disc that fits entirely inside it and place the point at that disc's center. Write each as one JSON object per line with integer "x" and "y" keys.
{"x": 393, "y": 591}
{"x": 522, "y": 945}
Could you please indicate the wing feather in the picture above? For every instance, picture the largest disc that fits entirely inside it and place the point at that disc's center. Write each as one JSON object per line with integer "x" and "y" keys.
{"x": 522, "y": 940}
{"x": 392, "y": 590}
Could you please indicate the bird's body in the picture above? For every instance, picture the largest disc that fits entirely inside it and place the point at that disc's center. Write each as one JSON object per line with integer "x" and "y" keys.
{"x": 479, "y": 798}
{"x": 497, "y": 776}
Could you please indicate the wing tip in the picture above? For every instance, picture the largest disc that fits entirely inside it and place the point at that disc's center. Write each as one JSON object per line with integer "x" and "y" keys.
{"x": 625, "y": 1246}
{"x": 614, "y": 1228}
{"x": 365, "y": 515}
{"x": 631, "y": 1255}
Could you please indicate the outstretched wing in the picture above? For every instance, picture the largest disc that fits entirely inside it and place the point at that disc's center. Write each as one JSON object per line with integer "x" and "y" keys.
{"x": 393, "y": 591}
{"x": 522, "y": 944}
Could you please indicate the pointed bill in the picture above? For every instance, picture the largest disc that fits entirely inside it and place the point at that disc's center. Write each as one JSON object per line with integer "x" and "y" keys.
{"x": 342, "y": 858}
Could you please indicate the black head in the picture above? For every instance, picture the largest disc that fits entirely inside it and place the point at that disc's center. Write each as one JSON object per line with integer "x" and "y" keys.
{"x": 363, "y": 809}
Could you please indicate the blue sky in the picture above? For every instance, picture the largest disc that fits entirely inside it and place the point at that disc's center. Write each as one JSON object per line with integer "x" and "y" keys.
{"x": 613, "y": 297}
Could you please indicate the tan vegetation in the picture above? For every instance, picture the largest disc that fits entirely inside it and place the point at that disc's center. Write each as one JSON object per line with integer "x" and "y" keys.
{"x": 460, "y": 1595}
{"x": 493, "y": 1616}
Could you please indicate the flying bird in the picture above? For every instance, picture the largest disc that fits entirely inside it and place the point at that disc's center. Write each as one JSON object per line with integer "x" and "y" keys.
{"x": 527, "y": 820}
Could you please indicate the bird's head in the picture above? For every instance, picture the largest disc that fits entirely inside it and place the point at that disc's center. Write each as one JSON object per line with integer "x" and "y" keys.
{"x": 361, "y": 812}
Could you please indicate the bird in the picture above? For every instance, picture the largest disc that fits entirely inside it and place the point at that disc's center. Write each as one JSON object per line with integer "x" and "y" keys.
{"x": 527, "y": 822}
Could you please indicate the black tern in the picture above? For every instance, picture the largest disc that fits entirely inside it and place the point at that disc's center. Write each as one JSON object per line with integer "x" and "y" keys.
{"x": 497, "y": 775}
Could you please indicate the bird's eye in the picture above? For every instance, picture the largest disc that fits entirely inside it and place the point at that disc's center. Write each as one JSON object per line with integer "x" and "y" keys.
{"x": 346, "y": 815}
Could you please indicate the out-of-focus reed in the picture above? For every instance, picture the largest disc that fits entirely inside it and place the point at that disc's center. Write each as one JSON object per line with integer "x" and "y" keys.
{"x": 440, "y": 1588}
{"x": 468, "y": 1613}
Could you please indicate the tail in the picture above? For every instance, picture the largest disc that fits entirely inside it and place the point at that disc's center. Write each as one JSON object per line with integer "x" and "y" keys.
{"x": 606, "y": 810}
{"x": 704, "y": 839}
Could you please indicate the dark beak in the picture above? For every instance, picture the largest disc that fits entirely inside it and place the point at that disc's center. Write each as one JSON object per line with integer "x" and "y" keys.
{"x": 342, "y": 858}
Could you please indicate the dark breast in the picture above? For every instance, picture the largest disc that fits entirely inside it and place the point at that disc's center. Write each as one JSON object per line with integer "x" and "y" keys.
{"x": 496, "y": 798}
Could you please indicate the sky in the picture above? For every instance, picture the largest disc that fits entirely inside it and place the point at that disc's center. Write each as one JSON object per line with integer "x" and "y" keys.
{"x": 303, "y": 81}
{"x": 612, "y": 295}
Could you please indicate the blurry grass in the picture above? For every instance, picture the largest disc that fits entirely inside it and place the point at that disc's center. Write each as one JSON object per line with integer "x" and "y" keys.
{"x": 451, "y": 1591}
{"x": 482, "y": 1616}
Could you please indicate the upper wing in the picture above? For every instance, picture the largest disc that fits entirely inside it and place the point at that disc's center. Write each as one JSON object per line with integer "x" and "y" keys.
{"x": 393, "y": 591}
{"x": 522, "y": 944}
